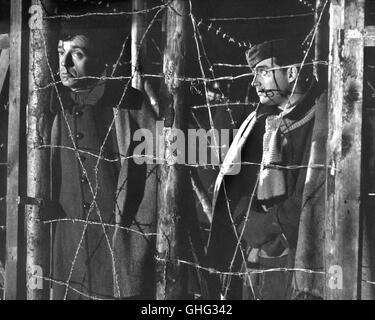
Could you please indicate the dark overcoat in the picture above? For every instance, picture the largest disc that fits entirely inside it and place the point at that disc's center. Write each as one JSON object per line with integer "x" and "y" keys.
{"x": 106, "y": 202}
{"x": 235, "y": 193}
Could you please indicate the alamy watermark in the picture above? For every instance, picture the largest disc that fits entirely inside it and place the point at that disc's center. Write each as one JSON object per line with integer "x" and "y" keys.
{"x": 335, "y": 279}
{"x": 198, "y": 147}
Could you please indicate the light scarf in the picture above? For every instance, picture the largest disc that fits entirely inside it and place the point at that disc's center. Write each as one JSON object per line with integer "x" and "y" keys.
{"x": 271, "y": 178}
{"x": 272, "y": 182}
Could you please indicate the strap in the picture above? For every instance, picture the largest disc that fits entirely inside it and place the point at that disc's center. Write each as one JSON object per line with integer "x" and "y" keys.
{"x": 30, "y": 201}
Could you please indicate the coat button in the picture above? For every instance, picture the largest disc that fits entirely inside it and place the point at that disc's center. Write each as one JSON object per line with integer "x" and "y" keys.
{"x": 78, "y": 113}
{"x": 86, "y": 205}
{"x": 84, "y": 180}
{"x": 79, "y": 135}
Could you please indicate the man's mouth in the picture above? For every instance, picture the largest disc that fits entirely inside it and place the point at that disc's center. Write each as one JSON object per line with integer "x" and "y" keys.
{"x": 267, "y": 92}
{"x": 261, "y": 92}
{"x": 67, "y": 74}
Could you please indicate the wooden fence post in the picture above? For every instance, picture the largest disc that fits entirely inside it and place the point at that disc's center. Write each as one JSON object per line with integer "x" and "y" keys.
{"x": 138, "y": 29}
{"x": 14, "y": 218}
{"x": 344, "y": 149}
{"x": 170, "y": 283}
{"x": 4, "y": 58}
{"x": 38, "y": 167}
{"x": 321, "y": 42}
{"x": 368, "y": 169}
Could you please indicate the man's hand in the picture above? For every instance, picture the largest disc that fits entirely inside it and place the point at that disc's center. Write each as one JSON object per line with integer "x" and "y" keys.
{"x": 261, "y": 228}
{"x": 253, "y": 256}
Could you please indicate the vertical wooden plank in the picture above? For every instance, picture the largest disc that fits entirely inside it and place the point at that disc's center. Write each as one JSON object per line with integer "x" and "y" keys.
{"x": 138, "y": 29}
{"x": 4, "y": 66}
{"x": 370, "y": 36}
{"x": 321, "y": 43}
{"x": 12, "y": 219}
{"x": 38, "y": 179}
{"x": 137, "y": 52}
{"x": 368, "y": 182}
{"x": 344, "y": 149}
{"x": 368, "y": 166}
{"x": 4, "y": 41}
{"x": 173, "y": 177}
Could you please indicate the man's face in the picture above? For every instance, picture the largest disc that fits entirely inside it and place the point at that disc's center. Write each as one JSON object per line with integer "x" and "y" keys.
{"x": 271, "y": 85}
{"x": 76, "y": 60}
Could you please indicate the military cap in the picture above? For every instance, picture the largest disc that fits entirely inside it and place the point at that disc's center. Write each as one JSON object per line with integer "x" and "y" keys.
{"x": 287, "y": 51}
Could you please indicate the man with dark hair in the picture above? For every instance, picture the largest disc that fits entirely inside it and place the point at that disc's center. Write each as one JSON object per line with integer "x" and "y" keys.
{"x": 256, "y": 212}
{"x": 105, "y": 200}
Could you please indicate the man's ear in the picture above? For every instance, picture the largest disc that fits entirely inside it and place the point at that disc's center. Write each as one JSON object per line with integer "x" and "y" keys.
{"x": 292, "y": 74}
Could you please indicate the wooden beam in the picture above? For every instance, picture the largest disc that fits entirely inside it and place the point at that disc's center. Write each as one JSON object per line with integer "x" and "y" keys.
{"x": 137, "y": 30}
{"x": 173, "y": 177}
{"x": 42, "y": 50}
{"x": 12, "y": 219}
{"x": 321, "y": 42}
{"x": 4, "y": 66}
{"x": 138, "y": 50}
{"x": 4, "y": 41}
{"x": 370, "y": 36}
{"x": 344, "y": 149}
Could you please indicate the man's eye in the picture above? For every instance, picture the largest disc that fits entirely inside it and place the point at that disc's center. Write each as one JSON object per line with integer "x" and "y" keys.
{"x": 263, "y": 72}
{"x": 60, "y": 52}
{"x": 78, "y": 54}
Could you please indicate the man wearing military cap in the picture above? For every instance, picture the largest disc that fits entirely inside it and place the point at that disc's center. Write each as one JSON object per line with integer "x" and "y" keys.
{"x": 256, "y": 212}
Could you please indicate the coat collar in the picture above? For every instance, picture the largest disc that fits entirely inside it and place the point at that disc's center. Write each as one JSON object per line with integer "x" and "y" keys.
{"x": 90, "y": 96}
{"x": 110, "y": 93}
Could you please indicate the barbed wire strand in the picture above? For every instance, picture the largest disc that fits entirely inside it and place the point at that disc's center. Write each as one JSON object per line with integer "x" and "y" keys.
{"x": 74, "y": 220}
{"x": 249, "y": 271}
{"x": 119, "y": 13}
{"x": 160, "y": 160}
{"x": 261, "y": 18}
{"x": 244, "y": 273}
{"x": 70, "y": 287}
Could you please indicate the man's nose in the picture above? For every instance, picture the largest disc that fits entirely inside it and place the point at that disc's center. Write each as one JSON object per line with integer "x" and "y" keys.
{"x": 255, "y": 81}
{"x": 66, "y": 60}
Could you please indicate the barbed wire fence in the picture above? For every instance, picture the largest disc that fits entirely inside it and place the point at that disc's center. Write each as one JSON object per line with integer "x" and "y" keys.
{"x": 94, "y": 191}
{"x": 206, "y": 77}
